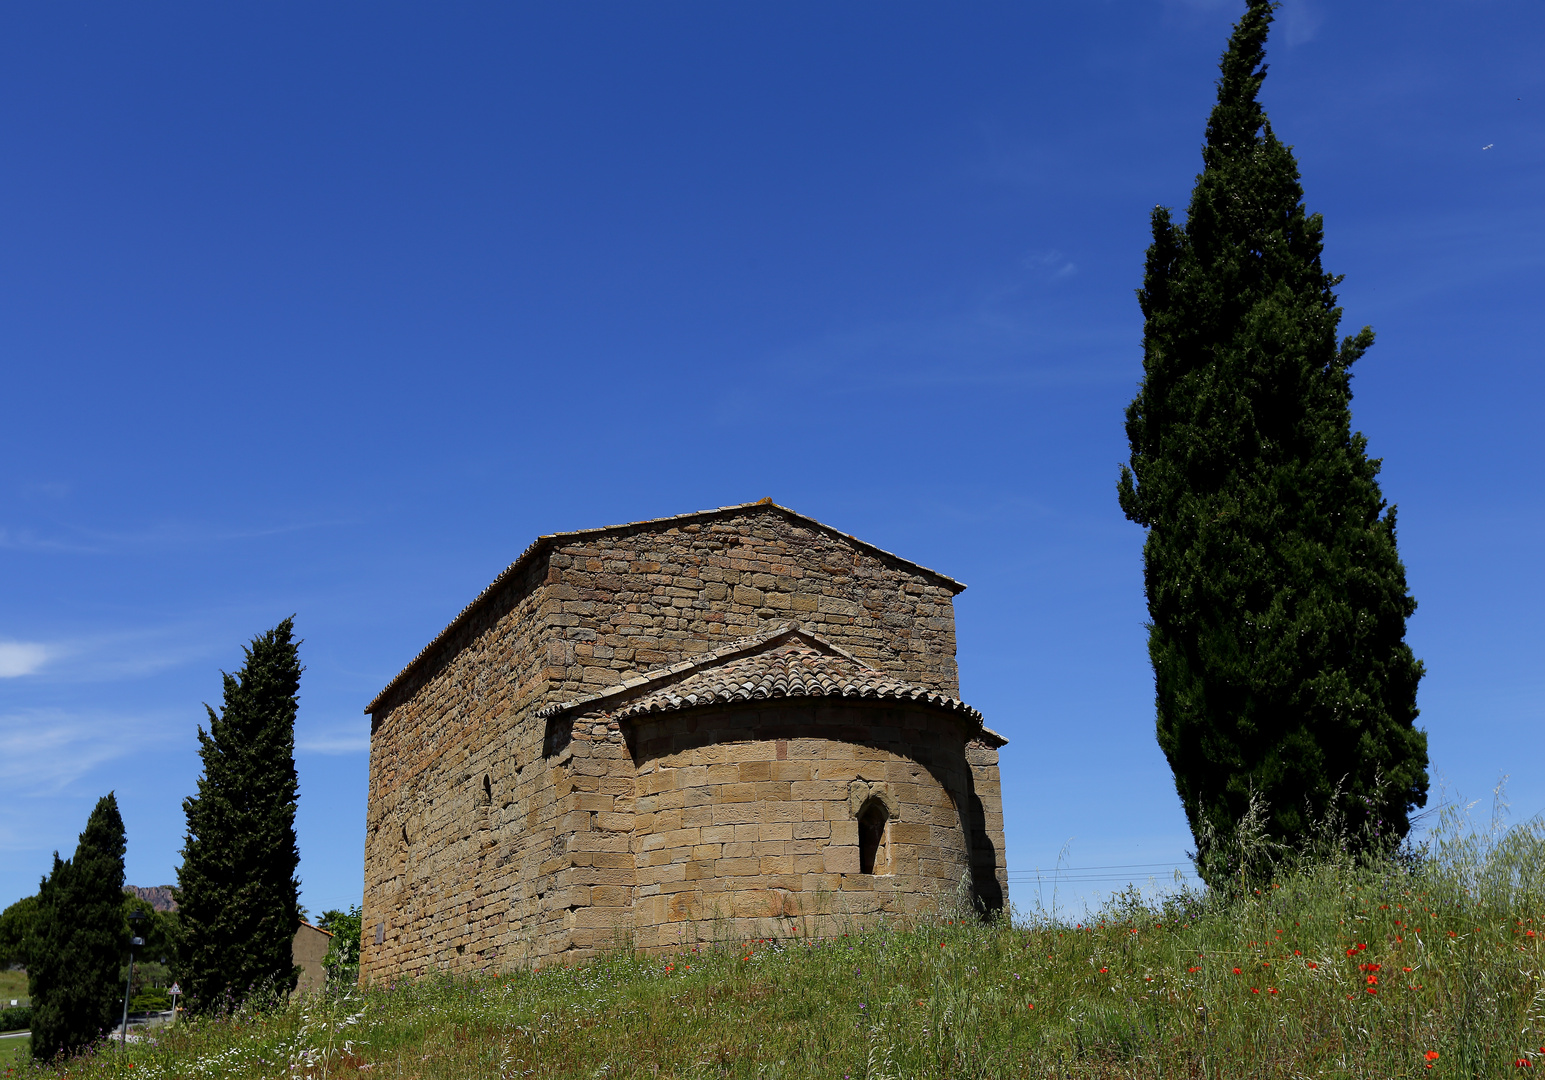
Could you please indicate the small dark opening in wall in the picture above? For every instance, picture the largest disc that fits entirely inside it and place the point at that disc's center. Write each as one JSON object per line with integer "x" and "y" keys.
{"x": 871, "y": 835}
{"x": 404, "y": 835}
{"x": 488, "y": 790}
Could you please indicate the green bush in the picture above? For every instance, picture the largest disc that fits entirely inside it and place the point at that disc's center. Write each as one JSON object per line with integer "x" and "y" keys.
{"x": 150, "y": 999}
{"x": 16, "y": 1019}
{"x": 342, "y": 960}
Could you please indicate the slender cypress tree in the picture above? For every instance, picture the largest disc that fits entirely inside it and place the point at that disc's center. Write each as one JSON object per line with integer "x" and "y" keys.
{"x": 1277, "y": 599}
{"x": 80, "y": 938}
{"x": 237, "y": 892}
{"x": 17, "y": 929}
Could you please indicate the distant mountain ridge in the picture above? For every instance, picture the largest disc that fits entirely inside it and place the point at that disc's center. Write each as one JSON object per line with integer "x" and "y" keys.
{"x": 158, "y": 896}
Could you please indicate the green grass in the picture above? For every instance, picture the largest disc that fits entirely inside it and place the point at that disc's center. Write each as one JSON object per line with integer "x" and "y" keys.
{"x": 13, "y": 984}
{"x": 13, "y": 1053}
{"x": 1334, "y": 970}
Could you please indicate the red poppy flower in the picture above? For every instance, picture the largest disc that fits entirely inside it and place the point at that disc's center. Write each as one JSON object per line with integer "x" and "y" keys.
{"x": 1255, "y": 989}
{"x": 1431, "y": 1055}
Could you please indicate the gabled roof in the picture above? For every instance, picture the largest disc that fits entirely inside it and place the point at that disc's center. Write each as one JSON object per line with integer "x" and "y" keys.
{"x": 784, "y": 662}
{"x": 542, "y": 543}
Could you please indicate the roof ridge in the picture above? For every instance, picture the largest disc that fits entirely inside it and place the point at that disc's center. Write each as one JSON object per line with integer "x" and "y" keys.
{"x": 743, "y": 646}
{"x": 547, "y": 539}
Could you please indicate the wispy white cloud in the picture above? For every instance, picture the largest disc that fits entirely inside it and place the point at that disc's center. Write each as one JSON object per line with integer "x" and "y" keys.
{"x": 12, "y": 539}
{"x": 1003, "y": 340}
{"x": 46, "y": 489}
{"x": 1300, "y": 22}
{"x": 73, "y": 540}
{"x": 43, "y": 751}
{"x": 19, "y": 658}
{"x": 1050, "y": 265}
{"x": 346, "y": 738}
{"x": 128, "y": 654}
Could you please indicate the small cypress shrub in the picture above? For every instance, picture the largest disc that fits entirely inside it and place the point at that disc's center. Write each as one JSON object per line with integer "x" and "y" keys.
{"x": 80, "y": 940}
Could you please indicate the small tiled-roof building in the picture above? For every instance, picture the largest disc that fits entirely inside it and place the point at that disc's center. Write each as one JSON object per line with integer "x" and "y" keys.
{"x": 662, "y": 731}
{"x": 308, "y": 950}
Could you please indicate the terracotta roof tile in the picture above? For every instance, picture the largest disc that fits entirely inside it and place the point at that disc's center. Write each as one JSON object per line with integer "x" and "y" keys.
{"x": 784, "y": 663}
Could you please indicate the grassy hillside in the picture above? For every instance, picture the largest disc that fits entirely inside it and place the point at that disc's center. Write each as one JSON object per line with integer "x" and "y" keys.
{"x": 13, "y": 984}
{"x": 1333, "y": 971}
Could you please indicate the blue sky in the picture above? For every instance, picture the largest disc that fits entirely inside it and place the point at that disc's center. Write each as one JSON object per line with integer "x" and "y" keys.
{"x": 331, "y": 309}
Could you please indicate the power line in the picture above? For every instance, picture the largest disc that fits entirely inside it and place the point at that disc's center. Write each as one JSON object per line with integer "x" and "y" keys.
{"x": 1049, "y": 882}
{"x": 1112, "y": 866}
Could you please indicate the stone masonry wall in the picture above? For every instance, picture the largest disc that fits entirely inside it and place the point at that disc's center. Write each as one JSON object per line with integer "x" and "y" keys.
{"x": 989, "y": 866}
{"x": 746, "y": 816}
{"x": 475, "y": 853}
{"x": 630, "y": 601}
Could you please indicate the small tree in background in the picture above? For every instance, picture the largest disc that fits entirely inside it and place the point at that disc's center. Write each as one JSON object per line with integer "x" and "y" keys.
{"x": 154, "y": 960}
{"x": 238, "y": 908}
{"x": 80, "y": 936}
{"x": 1277, "y": 598}
{"x": 342, "y": 960}
{"x": 16, "y": 930}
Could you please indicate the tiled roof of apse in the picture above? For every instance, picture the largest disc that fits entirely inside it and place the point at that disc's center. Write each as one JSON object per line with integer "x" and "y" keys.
{"x": 786, "y": 662}
{"x": 547, "y": 540}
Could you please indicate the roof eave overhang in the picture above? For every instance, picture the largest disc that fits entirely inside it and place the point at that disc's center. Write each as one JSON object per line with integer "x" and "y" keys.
{"x": 607, "y": 701}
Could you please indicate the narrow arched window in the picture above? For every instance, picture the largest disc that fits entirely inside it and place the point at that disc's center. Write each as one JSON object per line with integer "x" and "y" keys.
{"x": 872, "y": 856}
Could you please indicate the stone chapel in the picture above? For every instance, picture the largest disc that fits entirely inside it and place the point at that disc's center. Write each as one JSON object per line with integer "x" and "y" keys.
{"x": 726, "y": 723}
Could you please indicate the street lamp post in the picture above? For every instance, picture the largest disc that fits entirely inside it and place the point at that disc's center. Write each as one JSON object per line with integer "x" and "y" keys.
{"x": 135, "y": 918}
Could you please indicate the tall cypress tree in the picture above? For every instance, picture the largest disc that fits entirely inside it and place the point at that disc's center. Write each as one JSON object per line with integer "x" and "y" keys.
{"x": 80, "y": 937}
{"x": 237, "y": 892}
{"x": 1277, "y": 599}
